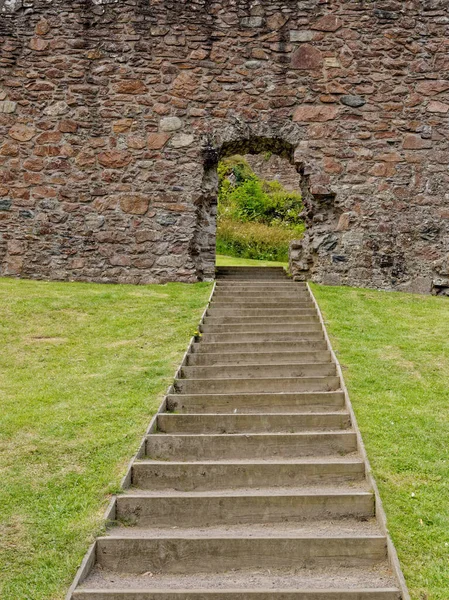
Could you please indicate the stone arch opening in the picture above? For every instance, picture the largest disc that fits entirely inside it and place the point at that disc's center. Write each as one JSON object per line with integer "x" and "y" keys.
{"x": 321, "y": 214}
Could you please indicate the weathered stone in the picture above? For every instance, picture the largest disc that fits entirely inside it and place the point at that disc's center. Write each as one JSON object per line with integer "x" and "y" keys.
{"x": 331, "y": 62}
{"x": 156, "y": 141}
{"x": 170, "y": 124}
{"x": 9, "y": 149}
{"x": 5, "y": 204}
{"x": 251, "y": 22}
{"x": 43, "y": 27}
{"x": 22, "y": 133}
{"x": 131, "y": 86}
{"x": 15, "y": 247}
{"x": 277, "y": 21}
{"x": 7, "y": 106}
{"x": 312, "y": 113}
{"x": 140, "y": 106}
{"x": 122, "y": 125}
{"x": 59, "y": 108}
{"x": 432, "y": 87}
{"x": 38, "y": 44}
{"x": 114, "y": 159}
{"x": 182, "y": 140}
{"x": 120, "y": 260}
{"x": 136, "y": 141}
{"x": 353, "y": 101}
{"x": 166, "y": 220}
{"x": 385, "y": 15}
{"x": 344, "y": 222}
{"x": 95, "y": 54}
{"x": 48, "y": 137}
{"x": 301, "y": 36}
{"x": 328, "y": 23}
{"x": 253, "y": 64}
{"x": 438, "y": 107}
{"x": 307, "y": 58}
{"x": 135, "y": 204}
{"x": 415, "y": 142}
{"x": 68, "y": 126}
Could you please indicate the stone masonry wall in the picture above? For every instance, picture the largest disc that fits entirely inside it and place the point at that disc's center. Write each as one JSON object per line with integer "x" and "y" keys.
{"x": 113, "y": 115}
{"x": 274, "y": 168}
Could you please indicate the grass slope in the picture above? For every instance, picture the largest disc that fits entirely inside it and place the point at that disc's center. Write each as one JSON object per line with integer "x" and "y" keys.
{"x": 395, "y": 350}
{"x": 83, "y": 367}
{"x": 233, "y": 261}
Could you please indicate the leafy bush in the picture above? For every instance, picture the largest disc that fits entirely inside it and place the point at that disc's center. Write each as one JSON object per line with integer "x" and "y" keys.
{"x": 245, "y": 197}
{"x": 256, "y": 218}
{"x": 255, "y": 240}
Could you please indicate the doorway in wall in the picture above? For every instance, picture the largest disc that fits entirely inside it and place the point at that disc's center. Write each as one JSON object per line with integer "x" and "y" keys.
{"x": 259, "y": 209}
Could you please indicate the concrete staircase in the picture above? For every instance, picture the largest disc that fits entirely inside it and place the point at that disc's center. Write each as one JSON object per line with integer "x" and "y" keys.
{"x": 251, "y": 482}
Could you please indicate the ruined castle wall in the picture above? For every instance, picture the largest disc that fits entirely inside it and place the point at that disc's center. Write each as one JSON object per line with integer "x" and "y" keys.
{"x": 113, "y": 115}
{"x": 272, "y": 167}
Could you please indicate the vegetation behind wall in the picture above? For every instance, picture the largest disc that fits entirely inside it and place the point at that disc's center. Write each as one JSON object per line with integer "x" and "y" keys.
{"x": 256, "y": 218}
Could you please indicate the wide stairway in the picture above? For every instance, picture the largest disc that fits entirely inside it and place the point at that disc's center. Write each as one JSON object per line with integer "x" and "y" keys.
{"x": 252, "y": 485}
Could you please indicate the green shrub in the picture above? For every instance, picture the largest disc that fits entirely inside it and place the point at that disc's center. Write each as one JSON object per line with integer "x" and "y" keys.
{"x": 256, "y": 218}
{"x": 243, "y": 196}
{"x": 255, "y": 240}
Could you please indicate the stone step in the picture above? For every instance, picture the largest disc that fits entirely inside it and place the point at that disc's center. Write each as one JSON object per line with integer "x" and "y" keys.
{"x": 263, "y": 313}
{"x": 247, "y": 286}
{"x": 256, "y": 358}
{"x": 257, "y": 347}
{"x": 263, "y": 302}
{"x": 255, "y": 278}
{"x": 252, "y": 485}
{"x": 273, "y": 327}
{"x": 260, "y": 320}
{"x": 268, "y": 294}
{"x": 252, "y": 403}
{"x": 287, "y": 283}
{"x": 252, "y": 423}
{"x": 131, "y": 551}
{"x": 214, "y": 476}
{"x": 330, "y": 583}
{"x": 287, "y": 335}
{"x": 263, "y": 507}
{"x": 317, "y": 383}
{"x": 231, "y": 372}
{"x": 130, "y": 592}
{"x": 251, "y": 446}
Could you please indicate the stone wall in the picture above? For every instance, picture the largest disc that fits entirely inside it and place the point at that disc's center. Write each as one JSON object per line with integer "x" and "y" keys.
{"x": 113, "y": 115}
{"x": 274, "y": 168}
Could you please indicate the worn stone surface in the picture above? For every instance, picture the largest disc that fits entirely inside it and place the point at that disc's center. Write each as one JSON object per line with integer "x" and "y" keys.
{"x": 274, "y": 168}
{"x": 113, "y": 116}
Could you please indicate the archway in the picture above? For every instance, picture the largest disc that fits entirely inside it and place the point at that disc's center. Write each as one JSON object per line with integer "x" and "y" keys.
{"x": 321, "y": 213}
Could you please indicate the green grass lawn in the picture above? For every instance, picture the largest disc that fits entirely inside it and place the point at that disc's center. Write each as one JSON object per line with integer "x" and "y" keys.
{"x": 395, "y": 352}
{"x": 82, "y": 369}
{"x": 232, "y": 261}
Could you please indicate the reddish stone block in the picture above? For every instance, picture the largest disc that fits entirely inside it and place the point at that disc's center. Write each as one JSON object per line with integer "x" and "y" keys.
{"x": 68, "y": 126}
{"x": 114, "y": 159}
{"x": 21, "y": 133}
{"x": 319, "y": 113}
{"x": 156, "y": 141}
{"x": 131, "y": 86}
{"x": 307, "y": 58}
{"x": 432, "y": 87}
{"x": 38, "y": 44}
{"x": 49, "y": 137}
{"x": 328, "y": 23}
{"x": 135, "y": 204}
{"x": 415, "y": 142}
